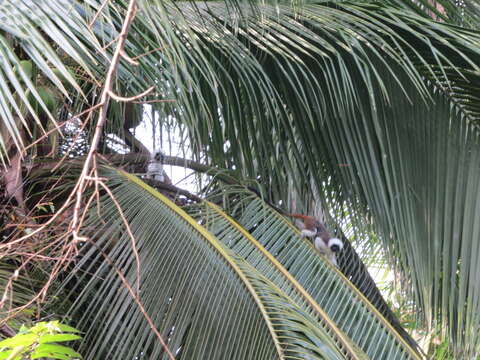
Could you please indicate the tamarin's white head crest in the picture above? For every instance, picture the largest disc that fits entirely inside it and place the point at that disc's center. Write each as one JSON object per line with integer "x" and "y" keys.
{"x": 158, "y": 155}
{"x": 155, "y": 166}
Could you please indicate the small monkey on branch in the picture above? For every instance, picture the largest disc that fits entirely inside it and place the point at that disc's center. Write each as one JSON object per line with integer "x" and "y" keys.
{"x": 323, "y": 241}
{"x": 155, "y": 168}
{"x": 314, "y": 229}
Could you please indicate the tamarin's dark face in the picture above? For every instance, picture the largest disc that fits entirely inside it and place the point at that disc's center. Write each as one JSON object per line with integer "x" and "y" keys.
{"x": 314, "y": 228}
{"x": 335, "y": 248}
{"x": 335, "y": 244}
{"x": 158, "y": 156}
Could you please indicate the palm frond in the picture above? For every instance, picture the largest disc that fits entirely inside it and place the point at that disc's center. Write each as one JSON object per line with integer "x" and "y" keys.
{"x": 286, "y": 96}
{"x": 48, "y": 37}
{"x": 365, "y": 97}
{"x": 463, "y": 13}
{"x": 310, "y": 73}
{"x": 327, "y": 286}
{"x": 17, "y": 290}
{"x": 234, "y": 237}
{"x": 195, "y": 305}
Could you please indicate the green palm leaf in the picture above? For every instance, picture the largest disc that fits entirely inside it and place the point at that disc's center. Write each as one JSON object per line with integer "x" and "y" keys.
{"x": 234, "y": 237}
{"x": 17, "y": 290}
{"x": 463, "y": 13}
{"x": 209, "y": 303}
{"x": 286, "y": 96}
{"x": 40, "y": 31}
{"x": 327, "y": 286}
{"x": 361, "y": 97}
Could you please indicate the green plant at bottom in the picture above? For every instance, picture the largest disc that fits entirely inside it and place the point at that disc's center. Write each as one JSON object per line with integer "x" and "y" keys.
{"x": 40, "y": 341}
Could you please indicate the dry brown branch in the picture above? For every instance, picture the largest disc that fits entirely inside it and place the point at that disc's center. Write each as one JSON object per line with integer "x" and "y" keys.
{"x": 39, "y": 295}
{"x": 89, "y": 173}
{"x": 39, "y": 256}
{"x": 102, "y": 117}
{"x": 110, "y": 44}
{"x": 129, "y": 59}
{"x": 97, "y": 14}
{"x": 148, "y": 52}
{"x": 66, "y": 249}
{"x": 97, "y": 192}
{"x": 131, "y": 98}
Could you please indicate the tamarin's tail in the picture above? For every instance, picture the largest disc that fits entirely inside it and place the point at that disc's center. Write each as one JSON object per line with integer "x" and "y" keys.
{"x": 300, "y": 216}
{"x": 306, "y": 219}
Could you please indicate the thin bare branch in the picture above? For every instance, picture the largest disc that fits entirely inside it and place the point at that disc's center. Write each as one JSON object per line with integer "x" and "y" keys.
{"x": 147, "y": 53}
{"x": 131, "y": 98}
{"x": 129, "y": 59}
{"x": 102, "y": 117}
{"x": 64, "y": 248}
{"x": 97, "y": 14}
{"x": 154, "y": 101}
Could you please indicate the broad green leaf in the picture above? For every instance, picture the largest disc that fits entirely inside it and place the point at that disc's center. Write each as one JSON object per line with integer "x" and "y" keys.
{"x": 54, "y": 351}
{"x": 14, "y": 354}
{"x": 19, "y": 340}
{"x": 58, "y": 338}
{"x": 66, "y": 328}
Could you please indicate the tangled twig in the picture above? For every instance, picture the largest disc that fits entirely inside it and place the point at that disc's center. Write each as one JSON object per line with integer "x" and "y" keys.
{"x": 68, "y": 241}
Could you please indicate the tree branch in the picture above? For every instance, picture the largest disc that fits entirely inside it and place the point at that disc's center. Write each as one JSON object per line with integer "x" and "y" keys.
{"x": 222, "y": 174}
{"x": 140, "y": 161}
{"x": 135, "y": 144}
{"x": 173, "y": 189}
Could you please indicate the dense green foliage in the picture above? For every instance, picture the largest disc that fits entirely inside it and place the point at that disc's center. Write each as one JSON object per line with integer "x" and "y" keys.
{"x": 40, "y": 342}
{"x": 365, "y": 113}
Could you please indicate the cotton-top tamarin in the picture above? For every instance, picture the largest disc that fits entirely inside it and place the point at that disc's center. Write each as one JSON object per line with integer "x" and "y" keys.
{"x": 155, "y": 166}
{"x": 324, "y": 242}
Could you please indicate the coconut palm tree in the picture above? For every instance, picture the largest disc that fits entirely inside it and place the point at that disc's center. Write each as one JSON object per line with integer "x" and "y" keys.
{"x": 363, "y": 112}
